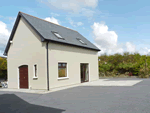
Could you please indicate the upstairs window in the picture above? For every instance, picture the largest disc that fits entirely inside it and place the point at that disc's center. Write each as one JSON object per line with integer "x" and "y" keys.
{"x": 81, "y": 41}
{"x": 57, "y": 35}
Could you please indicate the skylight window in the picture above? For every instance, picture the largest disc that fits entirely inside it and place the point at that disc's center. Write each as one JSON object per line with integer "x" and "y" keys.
{"x": 57, "y": 35}
{"x": 81, "y": 41}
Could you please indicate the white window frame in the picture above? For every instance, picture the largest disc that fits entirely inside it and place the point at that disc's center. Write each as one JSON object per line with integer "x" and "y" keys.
{"x": 60, "y": 78}
{"x": 18, "y": 77}
{"x": 35, "y": 77}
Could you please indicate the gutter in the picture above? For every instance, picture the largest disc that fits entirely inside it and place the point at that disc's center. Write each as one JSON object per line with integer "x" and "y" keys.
{"x": 47, "y": 67}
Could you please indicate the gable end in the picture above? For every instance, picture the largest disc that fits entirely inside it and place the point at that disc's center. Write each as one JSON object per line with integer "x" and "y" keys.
{"x": 14, "y": 30}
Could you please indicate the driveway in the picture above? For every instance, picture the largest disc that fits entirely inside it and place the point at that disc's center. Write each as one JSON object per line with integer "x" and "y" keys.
{"x": 82, "y": 99}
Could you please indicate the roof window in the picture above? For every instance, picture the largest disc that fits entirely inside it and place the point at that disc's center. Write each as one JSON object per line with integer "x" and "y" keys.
{"x": 57, "y": 35}
{"x": 81, "y": 41}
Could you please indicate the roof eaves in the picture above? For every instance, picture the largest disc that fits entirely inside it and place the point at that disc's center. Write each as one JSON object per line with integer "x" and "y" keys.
{"x": 11, "y": 35}
{"x": 73, "y": 45}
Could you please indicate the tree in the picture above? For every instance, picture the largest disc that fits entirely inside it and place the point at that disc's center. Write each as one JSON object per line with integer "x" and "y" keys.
{"x": 3, "y": 67}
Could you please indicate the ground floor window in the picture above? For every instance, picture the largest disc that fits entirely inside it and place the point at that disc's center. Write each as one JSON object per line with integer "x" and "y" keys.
{"x": 62, "y": 70}
{"x": 35, "y": 70}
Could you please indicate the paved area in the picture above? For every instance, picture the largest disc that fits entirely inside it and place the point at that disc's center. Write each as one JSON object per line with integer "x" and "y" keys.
{"x": 100, "y": 82}
{"x": 24, "y": 90}
{"x": 82, "y": 99}
{"x": 111, "y": 82}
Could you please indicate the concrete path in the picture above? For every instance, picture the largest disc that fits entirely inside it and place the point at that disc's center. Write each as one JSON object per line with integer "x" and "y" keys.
{"x": 107, "y": 82}
{"x": 100, "y": 82}
{"x": 24, "y": 90}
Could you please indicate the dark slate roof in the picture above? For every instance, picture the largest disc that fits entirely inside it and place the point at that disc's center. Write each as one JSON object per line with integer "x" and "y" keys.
{"x": 44, "y": 29}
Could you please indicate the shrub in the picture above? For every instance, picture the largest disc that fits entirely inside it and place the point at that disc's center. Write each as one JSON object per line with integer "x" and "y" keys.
{"x": 126, "y": 73}
{"x": 143, "y": 73}
{"x": 123, "y": 64}
{"x": 101, "y": 74}
{"x": 130, "y": 74}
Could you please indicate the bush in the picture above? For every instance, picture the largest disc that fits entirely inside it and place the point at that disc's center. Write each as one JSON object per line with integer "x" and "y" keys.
{"x": 3, "y": 68}
{"x": 123, "y": 64}
{"x": 126, "y": 73}
{"x": 101, "y": 74}
{"x": 143, "y": 73}
{"x": 130, "y": 74}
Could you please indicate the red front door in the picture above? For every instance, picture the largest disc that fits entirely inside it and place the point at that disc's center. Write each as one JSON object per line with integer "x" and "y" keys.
{"x": 23, "y": 76}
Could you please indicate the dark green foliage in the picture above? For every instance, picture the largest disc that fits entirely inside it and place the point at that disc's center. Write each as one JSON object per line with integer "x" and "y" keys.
{"x": 3, "y": 68}
{"x": 132, "y": 63}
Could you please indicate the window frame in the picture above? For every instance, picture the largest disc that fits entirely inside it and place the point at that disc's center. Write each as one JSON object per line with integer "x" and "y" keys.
{"x": 81, "y": 41}
{"x": 59, "y": 78}
{"x": 58, "y": 34}
{"x": 35, "y": 77}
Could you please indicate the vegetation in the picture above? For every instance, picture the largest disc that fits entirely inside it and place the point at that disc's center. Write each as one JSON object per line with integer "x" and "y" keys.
{"x": 3, "y": 67}
{"x": 127, "y": 64}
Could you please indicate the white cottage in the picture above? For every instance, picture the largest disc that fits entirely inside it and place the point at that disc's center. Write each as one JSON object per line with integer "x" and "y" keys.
{"x": 44, "y": 55}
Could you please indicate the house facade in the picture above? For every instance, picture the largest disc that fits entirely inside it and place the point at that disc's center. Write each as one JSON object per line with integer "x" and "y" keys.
{"x": 43, "y": 55}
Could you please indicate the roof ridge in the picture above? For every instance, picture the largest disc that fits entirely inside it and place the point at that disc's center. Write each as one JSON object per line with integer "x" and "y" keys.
{"x": 46, "y": 21}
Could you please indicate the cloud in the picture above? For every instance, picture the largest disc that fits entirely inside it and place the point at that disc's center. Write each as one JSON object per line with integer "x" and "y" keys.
{"x": 130, "y": 47}
{"x": 106, "y": 40}
{"x": 52, "y": 19}
{"x": 71, "y": 22}
{"x": 79, "y": 7}
{"x": 4, "y": 35}
{"x": 71, "y": 5}
{"x": 74, "y": 24}
{"x": 12, "y": 18}
{"x": 144, "y": 51}
{"x": 87, "y": 12}
{"x": 79, "y": 23}
{"x": 55, "y": 14}
{"x": 103, "y": 37}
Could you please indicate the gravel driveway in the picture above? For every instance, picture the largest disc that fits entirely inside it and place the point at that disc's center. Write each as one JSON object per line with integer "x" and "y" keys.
{"x": 82, "y": 99}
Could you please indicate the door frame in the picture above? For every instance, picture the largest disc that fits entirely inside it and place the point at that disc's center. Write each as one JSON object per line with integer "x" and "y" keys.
{"x": 19, "y": 76}
{"x": 88, "y": 72}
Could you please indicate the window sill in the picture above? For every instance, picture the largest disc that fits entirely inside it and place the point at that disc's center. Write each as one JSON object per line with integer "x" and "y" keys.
{"x": 35, "y": 77}
{"x": 62, "y": 78}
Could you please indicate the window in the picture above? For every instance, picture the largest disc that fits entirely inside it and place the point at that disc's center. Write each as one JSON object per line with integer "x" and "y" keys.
{"x": 62, "y": 70}
{"x": 35, "y": 71}
{"x": 57, "y": 35}
{"x": 81, "y": 41}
